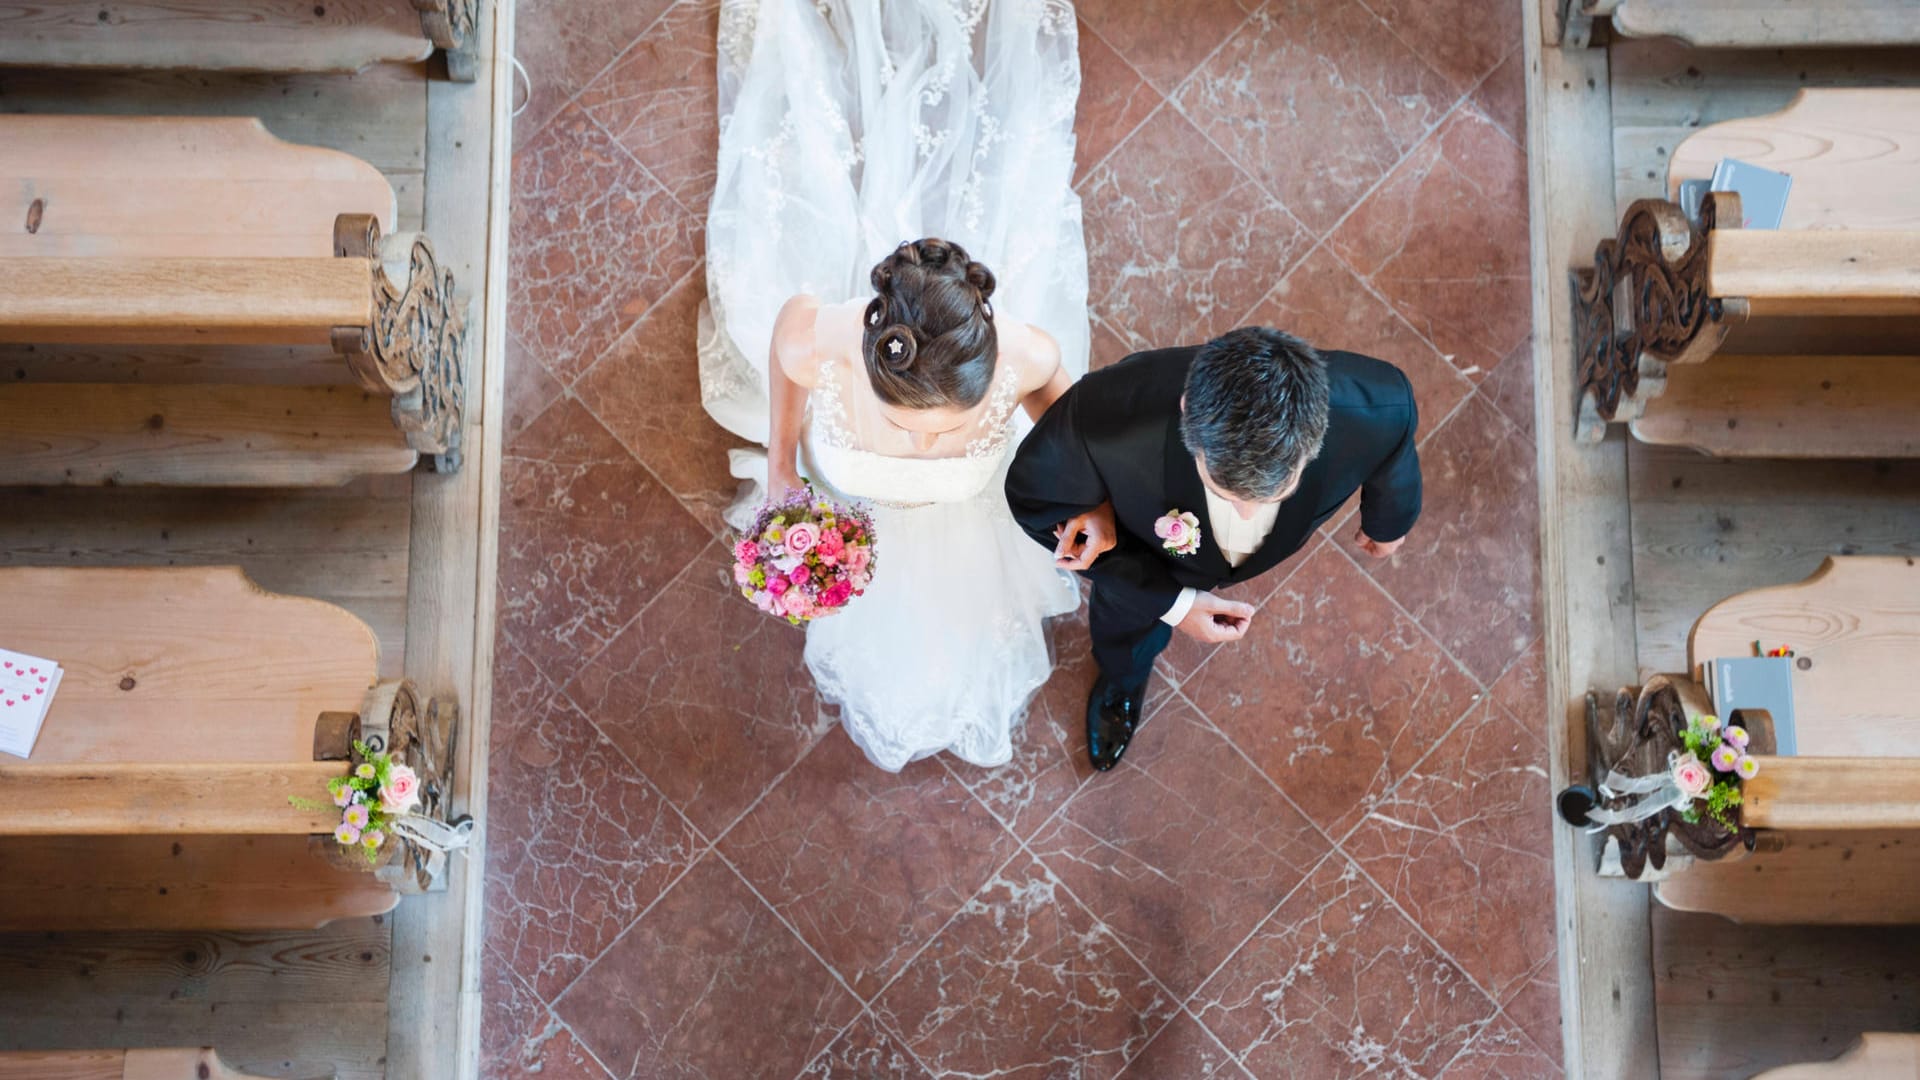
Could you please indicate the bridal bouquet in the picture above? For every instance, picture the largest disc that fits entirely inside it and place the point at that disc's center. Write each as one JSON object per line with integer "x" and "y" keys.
{"x": 805, "y": 558}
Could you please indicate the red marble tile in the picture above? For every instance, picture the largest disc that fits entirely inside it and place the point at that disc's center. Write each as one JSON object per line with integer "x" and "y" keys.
{"x": 1472, "y": 820}
{"x": 1164, "y": 39}
{"x": 660, "y": 101}
{"x": 707, "y": 984}
{"x": 1184, "y": 1051}
{"x": 709, "y": 697}
{"x": 1108, "y": 348}
{"x": 1444, "y": 239}
{"x": 1050, "y": 749}
{"x": 1317, "y": 101}
{"x": 1323, "y": 302}
{"x": 1338, "y": 984}
{"x": 646, "y": 389}
{"x": 587, "y": 538}
{"x": 1333, "y": 692}
{"x": 1503, "y": 96}
{"x": 1185, "y": 873}
{"x": 1113, "y": 101}
{"x": 596, "y": 241}
{"x": 867, "y": 864}
{"x": 1502, "y": 1052}
{"x": 578, "y": 845}
{"x": 1024, "y": 984}
{"x": 1536, "y": 1008}
{"x": 1180, "y": 243}
{"x": 1510, "y": 387}
{"x": 1470, "y": 569}
{"x": 563, "y": 44}
{"x": 529, "y": 390}
{"x": 866, "y": 1051}
{"x": 1461, "y": 39}
{"x": 522, "y": 697}
{"x": 520, "y": 1038}
{"x": 1522, "y": 692}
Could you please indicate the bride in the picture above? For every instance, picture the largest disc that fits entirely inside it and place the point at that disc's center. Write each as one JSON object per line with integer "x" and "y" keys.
{"x": 900, "y": 375}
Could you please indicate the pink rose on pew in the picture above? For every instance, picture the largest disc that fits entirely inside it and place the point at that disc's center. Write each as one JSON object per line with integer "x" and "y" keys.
{"x": 402, "y": 791}
{"x": 1691, "y": 776}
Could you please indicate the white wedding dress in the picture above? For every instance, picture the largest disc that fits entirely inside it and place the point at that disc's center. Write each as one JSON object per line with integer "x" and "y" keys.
{"x": 848, "y": 127}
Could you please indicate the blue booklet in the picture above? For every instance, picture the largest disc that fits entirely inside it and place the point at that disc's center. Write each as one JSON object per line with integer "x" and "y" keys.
{"x": 1756, "y": 682}
{"x": 1763, "y": 192}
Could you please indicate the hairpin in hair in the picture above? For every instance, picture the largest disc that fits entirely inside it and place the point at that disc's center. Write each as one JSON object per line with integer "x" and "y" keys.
{"x": 895, "y": 347}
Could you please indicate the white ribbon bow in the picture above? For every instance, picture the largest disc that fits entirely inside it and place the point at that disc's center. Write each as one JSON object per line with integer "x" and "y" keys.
{"x": 1660, "y": 792}
{"x": 433, "y": 835}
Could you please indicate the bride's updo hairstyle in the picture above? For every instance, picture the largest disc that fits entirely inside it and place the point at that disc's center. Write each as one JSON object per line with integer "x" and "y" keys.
{"x": 929, "y": 340}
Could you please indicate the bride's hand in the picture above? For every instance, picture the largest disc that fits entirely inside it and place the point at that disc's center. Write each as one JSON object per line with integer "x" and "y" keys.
{"x": 1085, "y": 538}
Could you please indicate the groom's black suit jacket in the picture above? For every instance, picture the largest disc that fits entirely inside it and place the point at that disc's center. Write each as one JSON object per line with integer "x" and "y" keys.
{"x": 1115, "y": 436}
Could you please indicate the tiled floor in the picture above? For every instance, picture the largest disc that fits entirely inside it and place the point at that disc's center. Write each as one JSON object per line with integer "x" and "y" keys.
{"x": 1326, "y": 855}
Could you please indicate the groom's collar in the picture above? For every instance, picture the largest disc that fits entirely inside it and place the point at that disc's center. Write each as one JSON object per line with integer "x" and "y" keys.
{"x": 1188, "y": 493}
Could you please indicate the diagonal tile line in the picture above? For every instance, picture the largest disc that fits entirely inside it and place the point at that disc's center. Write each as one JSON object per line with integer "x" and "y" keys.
{"x": 631, "y": 156}
{"x": 1492, "y": 998}
{"x": 555, "y": 1024}
{"x": 1160, "y": 100}
{"x": 1333, "y": 842}
{"x": 588, "y": 659}
{"x": 617, "y": 938}
{"x": 1190, "y": 1006}
{"x": 610, "y": 65}
{"x": 699, "y": 267}
{"x": 777, "y": 780}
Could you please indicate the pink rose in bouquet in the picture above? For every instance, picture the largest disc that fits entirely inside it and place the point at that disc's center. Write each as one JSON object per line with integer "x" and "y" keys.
{"x": 805, "y": 557}
{"x": 1690, "y": 775}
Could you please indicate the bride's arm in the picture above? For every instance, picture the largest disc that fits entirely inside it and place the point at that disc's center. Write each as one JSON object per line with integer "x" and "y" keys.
{"x": 1045, "y": 378}
{"x": 792, "y": 370}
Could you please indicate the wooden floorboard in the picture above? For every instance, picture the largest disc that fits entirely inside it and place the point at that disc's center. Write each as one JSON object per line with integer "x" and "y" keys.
{"x": 1735, "y": 1000}
{"x": 283, "y": 1004}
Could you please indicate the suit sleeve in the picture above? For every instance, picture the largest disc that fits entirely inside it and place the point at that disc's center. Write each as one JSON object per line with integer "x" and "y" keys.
{"x": 1053, "y": 478}
{"x": 1390, "y": 498}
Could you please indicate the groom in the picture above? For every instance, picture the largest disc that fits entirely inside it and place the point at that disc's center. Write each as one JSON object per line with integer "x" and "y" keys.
{"x": 1258, "y": 437}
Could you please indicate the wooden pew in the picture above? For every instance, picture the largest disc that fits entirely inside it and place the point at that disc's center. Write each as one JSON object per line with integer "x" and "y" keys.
{"x": 1836, "y": 828}
{"x": 1879, "y": 1055}
{"x": 239, "y": 239}
{"x": 193, "y": 704}
{"x": 180, "y": 1064}
{"x": 1769, "y": 343}
{"x": 225, "y": 35}
{"x": 1752, "y": 24}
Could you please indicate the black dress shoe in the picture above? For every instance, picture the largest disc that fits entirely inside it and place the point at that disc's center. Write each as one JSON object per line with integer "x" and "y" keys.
{"x": 1112, "y": 716}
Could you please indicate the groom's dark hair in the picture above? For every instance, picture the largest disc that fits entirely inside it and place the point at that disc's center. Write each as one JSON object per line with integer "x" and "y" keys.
{"x": 929, "y": 339}
{"x": 1256, "y": 409}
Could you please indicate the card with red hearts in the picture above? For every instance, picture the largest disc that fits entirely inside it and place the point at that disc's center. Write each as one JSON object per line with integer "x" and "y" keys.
{"x": 27, "y": 687}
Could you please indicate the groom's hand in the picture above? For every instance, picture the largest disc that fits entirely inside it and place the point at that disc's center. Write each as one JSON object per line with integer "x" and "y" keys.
{"x": 1212, "y": 619}
{"x": 1085, "y": 538}
{"x": 1374, "y": 547}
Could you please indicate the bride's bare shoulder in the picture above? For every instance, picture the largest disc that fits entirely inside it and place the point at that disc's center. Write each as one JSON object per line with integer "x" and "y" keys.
{"x": 799, "y": 338}
{"x": 1034, "y": 350}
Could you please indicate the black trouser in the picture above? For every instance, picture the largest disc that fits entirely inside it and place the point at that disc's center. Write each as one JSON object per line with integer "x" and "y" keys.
{"x": 1126, "y": 640}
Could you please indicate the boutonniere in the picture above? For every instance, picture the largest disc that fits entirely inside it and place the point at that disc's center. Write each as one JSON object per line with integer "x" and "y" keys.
{"x": 1178, "y": 532}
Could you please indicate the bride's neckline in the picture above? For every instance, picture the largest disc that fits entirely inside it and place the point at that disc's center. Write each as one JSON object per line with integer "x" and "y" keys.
{"x": 844, "y": 385}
